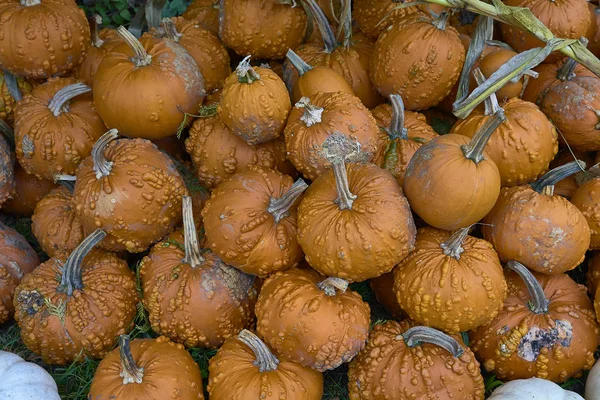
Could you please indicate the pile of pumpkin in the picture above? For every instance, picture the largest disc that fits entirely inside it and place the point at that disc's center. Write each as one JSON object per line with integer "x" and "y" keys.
{"x": 298, "y": 173}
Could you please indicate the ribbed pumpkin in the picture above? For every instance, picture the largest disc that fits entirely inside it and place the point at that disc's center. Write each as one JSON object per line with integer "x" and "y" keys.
{"x": 261, "y": 28}
{"x": 42, "y": 38}
{"x": 149, "y": 369}
{"x": 587, "y": 199}
{"x": 531, "y": 225}
{"x": 17, "y": 258}
{"x": 29, "y": 190}
{"x": 7, "y": 100}
{"x": 7, "y": 166}
{"x": 313, "y": 321}
{"x": 56, "y": 126}
{"x": 374, "y": 17}
{"x": 129, "y": 188}
{"x": 404, "y": 361}
{"x": 245, "y": 368}
{"x": 76, "y": 306}
{"x": 191, "y": 295}
{"x": 152, "y": 81}
{"x": 314, "y": 119}
{"x": 546, "y": 329}
{"x": 401, "y": 133}
{"x": 205, "y": 12}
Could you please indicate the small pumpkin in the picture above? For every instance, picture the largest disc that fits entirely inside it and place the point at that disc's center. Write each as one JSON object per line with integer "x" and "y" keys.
{"x": 129, "y": 188}
{"x": 491, "y": 62}
{"x": 245, "y": 368}
{"x": 254, "y": 103}
{"x": 55, "y": 128}
{"x": 547, "y": 329}
{"x": 149, "y": 369}
{"x": 55, "y": 34}
{"x": 531, "y": 225}
{"x": 22, "y": 380}
{"x": 17, "y": 258}
{"x": 375, "y": 17}
{"x": 9, "y": 95}
{"x": 383, "y": 289}
{"x": 205, "y": 12}
{"x": 7, "y": 166}
{"x": 593, "y": 273}
{"x": 405, "y": 361}
{"x": 310, "y": 320}
{"x": 586, "y": 199}
{"x": 76, "y": 306}
{"x": 255, "y": 230}
{"x": 29, "y": 190}
{"x": 312, "y": 121}
{"x": 533, "y": 389}
{"x": 154, "y": 82}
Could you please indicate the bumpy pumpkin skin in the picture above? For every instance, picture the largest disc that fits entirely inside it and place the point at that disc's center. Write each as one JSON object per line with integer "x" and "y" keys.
{"x": 545, "y": 233}
{"x": 47, "y": 145}
{"x": 519, "y": 344}
{"x": 199, "y": 307}
{"x": 361, "y": 243}
{"x": 205, "y": 12}
{"x": 256, "y": 112}
{"x": 233, "y": 375}
{"x": 7, "y": 102}
{"x": 267, "y": 29}
{"x": 454, "y": 308}
{"x": 303, "y": 324}
{"x": 418, "y": 61}
{"x": 343, "y": 113}
{"x": 319, "y": 79}
{"x": 587, "y": 199}
{"x": 55, "y": 34}
{"x": 7, "y": 166}
{"x": 368, "y": 15}
{"x": 593, "y": 274}
{"x": 388, "y": 369}
{"x": 169, "y": 373}
{"x": 54, "y": 224}
{"x": 395, "y": 154}
{"x": 383, "y": 288}
{"x": 29, "y": 190}
{"x": 137, "y": 204}
{"x": 522, "y": 146}
{"x": 242, "y": 232}
{"x": 17, "y": 258}
{"x": 108, "y": 301}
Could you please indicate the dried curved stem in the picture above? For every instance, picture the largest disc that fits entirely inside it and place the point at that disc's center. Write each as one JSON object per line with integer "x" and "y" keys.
{"x": 71, "y": 273}
{"x": 30, "y": 3}
{"x": 193, "y": 257}
{"x": 474, "y": 149}
{"x": 345, "y": 24}
{"x": 453, "y": 246}
{"x": 279, "y": 208}
{"x": 417, "y": 335}
{"x": 265, "y": 359}
{"x": 130, "y": 371}
{"x": 58, "y": 103}
{"x": 312, "y": 114}
{"x": 170, "y": 30}
{"x": 557, "y": 174}
{"x": 141, "y": 58}
{"x": 297, "y": 62}
{"x": 66, "y": 181}
{"x": 567, "y": 70}
{"x": 95, "y": 21}
{"x": 12, "y": 85}
{"x": 345, "y": 196}
{"x": 442, "y": 20}
{"x": 491, "y": 103}
{"x": 538, "y": 303}
{"x": 102, "y": 166}
{"x": 323, "y": 24}
{"x": 245, "y": 72}
{"x": 397, "y": 129}
{"x": 332, "y": 283}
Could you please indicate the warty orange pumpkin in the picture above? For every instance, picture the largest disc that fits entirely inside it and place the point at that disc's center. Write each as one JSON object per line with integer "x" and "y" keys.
{"x": 29, "y": 190}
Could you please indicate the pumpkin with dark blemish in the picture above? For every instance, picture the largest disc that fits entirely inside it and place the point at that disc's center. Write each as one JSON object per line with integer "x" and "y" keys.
{"x": 546, "y": 329}
{"x": 531, "y": 225}
{"x": 76, "y": 305}
{"x": 7, "y": 101}
{"x": 593, "y": 273}
{"x": 17, "y": 258}
{"x": 245, "y": 368}
{"x": 401, "y": 133}
{"x": 7, "y": 166}
{"x": 420, "y": 61}
{"x": 569, "y": 185}
{"x": 375, "y": 17}
{"x": 587, "y": 199}
{"x": 383, "y": 289}
{"x": 316, "y": 322}
{"x": 130, "y": 189}
{"x": 56, "y": 126}
{"x": 426, "y": 281}
{"x": 255, "y": 230}
{"x": 149, "y": 369}
{"x": 405, "y": 361}
{"x": 151, "y": 81}
{"x": 261, "y": 28}
{"x": 29, "y": 190}
{"x": 179, "y": 278}
{"x": 254, "y": 103}
{"x": 204, "y": 12}
{"x": 55, "y": 34}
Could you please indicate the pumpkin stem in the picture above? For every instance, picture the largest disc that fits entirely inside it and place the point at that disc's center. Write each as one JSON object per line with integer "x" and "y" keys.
{"x": 8, "y": 132}
{"x": 30, "y": 3}
{"x": 345, "y": 25}
{"x": 141, "y": 58}
{"x": 417, "y": 335}
{"x": 567, "y": 71}
{"x": 130, "y": 372}
{"x": 312, "y": 114}
{"x": 397, "y": 129}
{"x": 95, "y": 21}
{"x": 539, "y": 303}
{"x": 474, "y": 149}
{"x": 193, "y": 257}
{"x": 279, "y": 208}
{"x": 170, "y": 30}
{"x": 491, "y": 103}
{"x": 297, "y": 62}
{"x": 67, "y": 181}
{"x": 102, "y": 166}
{"x": 59, "y": 103}
{"x": 330, "y": 284}
{"x": 557, "y": 174}
{"x": 323, "y": 24}
{"x": 453, "y": 246}
{"x": 245, "y": 71}
{"x": 12, "y": 85}
{"x": 265, "y": 359}
{"x": 71, "y": 272}
{"x": 441, "y": 21}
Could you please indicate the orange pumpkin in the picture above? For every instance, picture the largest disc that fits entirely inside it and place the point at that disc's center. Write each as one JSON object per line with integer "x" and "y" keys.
{"x": 375, "y": 17}
{"x": 491, "y": 62}
{"x": 29, "y": 190}
{"x": 593, "y": 274}
{"x": 383, "y": 289}
{"x": 7, "y": 166}
{"x": 587, "y": 199}
{"x": 593, "y": 33}
{"x": 205, "y": 12}
{"x": 567, "y": 186}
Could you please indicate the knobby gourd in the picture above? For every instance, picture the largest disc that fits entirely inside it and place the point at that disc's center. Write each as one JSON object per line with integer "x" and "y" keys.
{"x": 586, "y": 198}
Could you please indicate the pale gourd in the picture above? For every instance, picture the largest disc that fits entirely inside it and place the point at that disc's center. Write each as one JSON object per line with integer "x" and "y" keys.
{"x": 535, "y": 389}
{"x": 592, "y": 384}
{"x": 22, "y": 380}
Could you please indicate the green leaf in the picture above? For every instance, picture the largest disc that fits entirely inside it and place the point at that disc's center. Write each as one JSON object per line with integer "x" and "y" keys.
{"x": 125, "y": 14}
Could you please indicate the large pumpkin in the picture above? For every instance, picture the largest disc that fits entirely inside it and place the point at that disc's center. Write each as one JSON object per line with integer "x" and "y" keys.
{"x": 7, "y": 166}
{"x": 42, "y": 38}
{"x": 129, "y": 188}
{"x": 29, "y": 190}
{"x": 76, "y": 306}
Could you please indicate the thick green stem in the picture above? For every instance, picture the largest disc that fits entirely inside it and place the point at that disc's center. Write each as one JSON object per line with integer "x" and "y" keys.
{"x": 95, "y": 22}
{"x": 265, "y": 359}
{"x": 66, "y": 181}
{"x": 557, "y": 174}
{"x": 491, "y": 103}
{"x": 441, "y": 21}
{"x": 71, "y": 279}
{"x": 59, "y": 103}
{"x": 245, "y": 72}
{"x": 279, "y": 208}
{"x": 312, "y": 114}
{"x": 141, "y": 57}
{"x": 102, "y": 166}
{"x": 417, "y": 335}
{"x": 323, "y": 24}
{"x": 567, "y": 71}
{"x": 170, "y": 30}
{"x": 130, "y": 371}
{"x": 332, "y": 283}
{"x": 453, "y": 246}
{"x": 474, "y": 150}
{"x": 538, "y": 303}
{"x": 193, "y": 257}
{"x": 301, "y": 66}
{"x": 397, "y": 129}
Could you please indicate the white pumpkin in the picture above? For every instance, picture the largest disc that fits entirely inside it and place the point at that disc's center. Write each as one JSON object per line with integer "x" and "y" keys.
{"x": 22, "y": 380}
{"x": 533, "y": 389}
{"x": 592, "y": 385}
